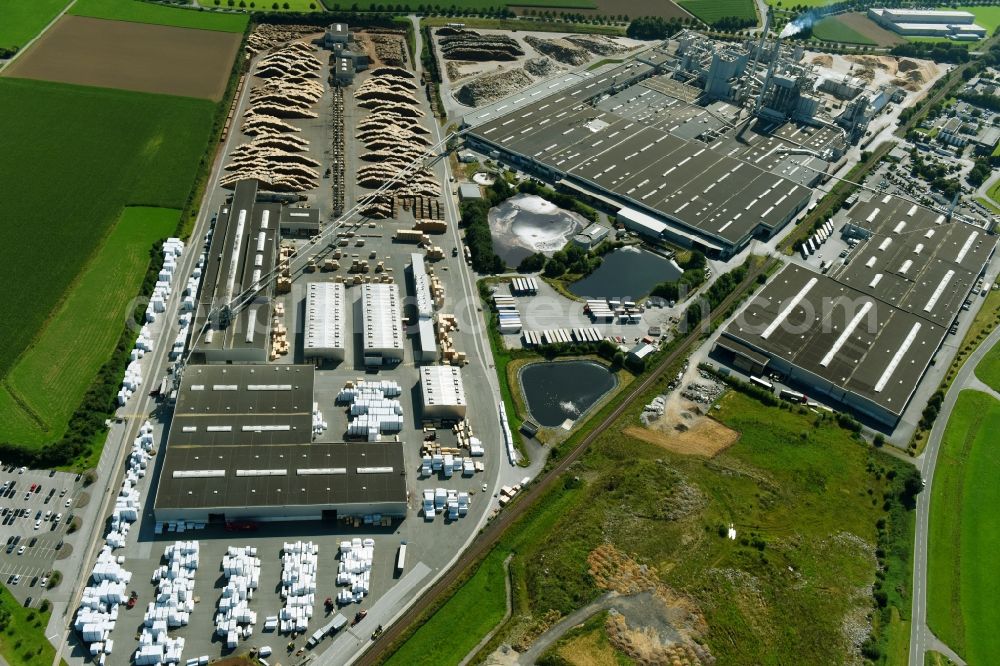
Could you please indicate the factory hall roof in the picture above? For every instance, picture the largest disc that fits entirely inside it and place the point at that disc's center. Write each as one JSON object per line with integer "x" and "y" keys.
{"x": 645, "y": 159}
{"x": 915, "y": 259}
{"x": 241, "y": 436}
{"x": 852, "y": 340}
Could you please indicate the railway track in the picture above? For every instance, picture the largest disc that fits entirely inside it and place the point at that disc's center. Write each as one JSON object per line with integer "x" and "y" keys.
{"x": 491, "y": 534}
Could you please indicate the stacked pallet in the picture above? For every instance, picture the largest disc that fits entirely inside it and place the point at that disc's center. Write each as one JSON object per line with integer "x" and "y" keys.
{"x": 172, "y": 607}
{"x": 235, "y": 620}
{"x": 299, "y": 564}
{"x": 354, "y": 571}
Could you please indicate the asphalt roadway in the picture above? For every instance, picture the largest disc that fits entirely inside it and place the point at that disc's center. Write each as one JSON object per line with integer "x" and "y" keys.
{"x": 921, "y": 637}
{"x": 491, "y": 534}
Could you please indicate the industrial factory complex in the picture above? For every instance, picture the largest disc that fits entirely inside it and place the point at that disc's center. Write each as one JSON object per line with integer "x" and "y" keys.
{"x": 864, "y": 334}
{"x": 699, "y": 175}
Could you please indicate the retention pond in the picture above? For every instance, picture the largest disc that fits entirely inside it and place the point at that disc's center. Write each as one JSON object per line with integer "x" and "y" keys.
{"x": 559, "y": 392}
{"x": 628, "y": 272}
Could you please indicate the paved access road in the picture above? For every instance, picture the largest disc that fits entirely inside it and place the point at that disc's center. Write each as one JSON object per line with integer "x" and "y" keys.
{"x": 921, "y": 637}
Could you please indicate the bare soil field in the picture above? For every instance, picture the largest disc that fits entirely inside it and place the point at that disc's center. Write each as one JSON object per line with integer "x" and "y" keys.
{"x": 131, "y": 56}
{"x": 706, "y": 437}
{"x": 866, "y": 27}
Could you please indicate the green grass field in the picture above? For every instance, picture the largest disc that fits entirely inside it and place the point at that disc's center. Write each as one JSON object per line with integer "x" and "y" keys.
{"x": 832, "y": 29}
{"x": 805, "y": 499}
{"x": 115, "y": 148}
{"x": 555, "y": 5}
{"x": 52, "y": 376}
{"x": 994, "y": 192}
{"x": 964, "y": 538}
{"x": 711, "y": 11}
{"x": 22, "y": 641}
{"x": 987, "y": 17}
{"x": 145, "y": 12}
{"x": 480, "y": 607}
{"x": 23, "y": 19}
{"x": 988, "y": 369}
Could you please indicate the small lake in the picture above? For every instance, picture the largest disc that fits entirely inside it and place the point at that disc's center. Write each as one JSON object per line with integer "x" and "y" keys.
{"x": 526, "y": 224}
{"x": 628, "y": 272}
{"x": 558, "y": 391}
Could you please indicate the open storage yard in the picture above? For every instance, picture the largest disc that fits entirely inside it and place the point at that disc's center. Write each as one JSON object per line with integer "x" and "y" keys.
{"x": 965, "y": 532}
{"x": 131, "y": 56}
{"x": 92, "y": 151}
{"x": 22, "y": 19}
{"x": 147, "y": 12}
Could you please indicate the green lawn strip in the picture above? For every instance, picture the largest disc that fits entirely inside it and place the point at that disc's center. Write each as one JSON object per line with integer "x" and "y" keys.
{"x": 138, "y": 11}
{"x": 22, "y": 637}
{"x": 711, "y": 11}
{"x": 964, "y": 536}
{"x": 52, "y": 376}
{"x": 994, "y": 192}
{"x": 22, "y": 20}
{"x": 833, "y": 29}
{"x": 459, "y": 625}
{"x": 115, "y": 149}
{"x": 932, "y": 658}
{"x": 989, "y": 203}
{"x": 988, "y": 370}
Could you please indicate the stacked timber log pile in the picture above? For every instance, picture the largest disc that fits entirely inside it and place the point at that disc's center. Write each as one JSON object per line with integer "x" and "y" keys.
{"x": 393, "y": 139}
{"x": 470, "y": 45}
{"x": 266, "y": 36}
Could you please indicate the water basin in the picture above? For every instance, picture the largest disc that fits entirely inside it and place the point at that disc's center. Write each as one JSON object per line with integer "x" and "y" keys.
{"x": 559, "y": 392}
{"x": 627, "y": 272}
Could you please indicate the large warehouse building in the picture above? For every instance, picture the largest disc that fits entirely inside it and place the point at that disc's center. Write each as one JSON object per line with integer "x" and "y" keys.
{"x": 382, "y": 324}
{"x": 241, "y": 253}
{"x": 951, "y": 23}
{"x": 865, "y": 334}
{"x": 324, "y": 336}
{"x": 628, "y": 141}
{"x": 240, "y": 448}
{"x": 443, "y": 393}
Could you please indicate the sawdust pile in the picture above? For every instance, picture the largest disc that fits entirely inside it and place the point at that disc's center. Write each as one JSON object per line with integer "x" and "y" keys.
{"x": 823, "y": 60}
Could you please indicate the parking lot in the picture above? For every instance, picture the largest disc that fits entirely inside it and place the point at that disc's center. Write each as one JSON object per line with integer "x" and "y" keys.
{"x": 32, "y": 539}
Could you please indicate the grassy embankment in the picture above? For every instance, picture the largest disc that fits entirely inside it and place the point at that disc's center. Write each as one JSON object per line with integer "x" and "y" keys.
{"x": 22, "y": 638}
{"x": 988, "y": 369}
{"x": 125, "y": 148}
{"x": 962, "y": 578}
{"x": 23, "y": 19}
{"x": 147, "y": 12}
{"x": 805, "y": 497}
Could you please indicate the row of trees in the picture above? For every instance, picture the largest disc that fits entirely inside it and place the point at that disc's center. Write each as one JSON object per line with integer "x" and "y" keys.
{"x": 692, "y": 278}
{"x": 954, "y": 53}
{"x": 475, "y": 220}
{"x": 723, "y": 286}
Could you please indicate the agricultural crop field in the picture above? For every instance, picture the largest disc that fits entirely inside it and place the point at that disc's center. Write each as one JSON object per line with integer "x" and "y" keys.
{"x": 131, "y": 56}
{"x": 145, "y": 12}
{"x": 851, "y": 29}
{"x": 412, "y": 5}
{"x": 92, "y": 151}
{"x": 804, "y": 497}
{"x": 711, "y": 11}
{"x": 23, "y": 19}
{"x": 962, "y": 577}
{"x": 53, "y": 374}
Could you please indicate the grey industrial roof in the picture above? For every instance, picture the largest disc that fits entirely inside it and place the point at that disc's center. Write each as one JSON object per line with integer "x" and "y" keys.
{"x": 242, "y": 436}
{"x": 643, "y": 162}
{"x": 212, "y": 397}
{"x": 230, "y": 269}
{"x": 914, "y": 259}
{"x": 298, "y": 216}
{"x": 851, "y": 339}
{"x": 282, "y": 475}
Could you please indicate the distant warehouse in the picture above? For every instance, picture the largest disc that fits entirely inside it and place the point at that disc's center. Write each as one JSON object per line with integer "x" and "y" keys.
{"x": 951, "y": 23}
{"x": 240, "y": 448}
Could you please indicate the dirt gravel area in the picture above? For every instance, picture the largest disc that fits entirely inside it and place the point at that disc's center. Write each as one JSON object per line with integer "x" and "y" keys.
{"x": 131, "y": 56}
{"x": 706, "y": 437}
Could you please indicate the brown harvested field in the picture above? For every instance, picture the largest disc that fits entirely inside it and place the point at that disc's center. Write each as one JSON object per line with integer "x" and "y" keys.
{"x": 863, "y": 25}
{"x": 132, "y": 56}
{"x": 630, "y": 8}
{"x": 706, "y": 437}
